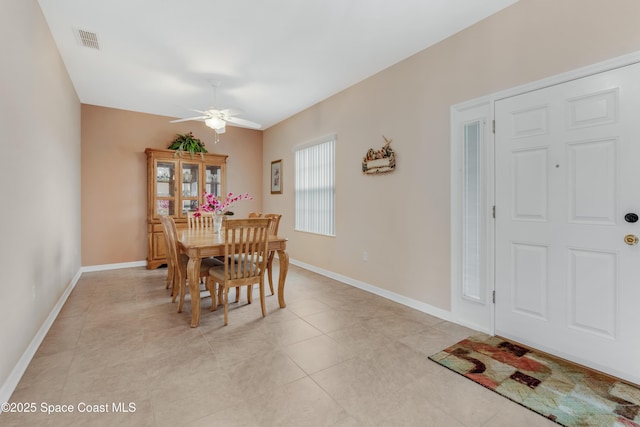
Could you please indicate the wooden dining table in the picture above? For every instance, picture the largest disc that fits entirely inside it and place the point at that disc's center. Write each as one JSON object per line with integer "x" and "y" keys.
{"x": 202, "y": 242}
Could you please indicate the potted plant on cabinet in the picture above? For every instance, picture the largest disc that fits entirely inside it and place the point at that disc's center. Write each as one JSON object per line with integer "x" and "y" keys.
{"x": 187, "y": 142}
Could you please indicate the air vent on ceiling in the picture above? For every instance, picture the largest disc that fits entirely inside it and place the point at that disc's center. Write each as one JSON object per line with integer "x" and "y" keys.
{"x": 89, "y": 39}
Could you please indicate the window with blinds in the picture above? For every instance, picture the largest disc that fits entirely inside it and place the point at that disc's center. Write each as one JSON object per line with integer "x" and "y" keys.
{"x": 315, "y": 186}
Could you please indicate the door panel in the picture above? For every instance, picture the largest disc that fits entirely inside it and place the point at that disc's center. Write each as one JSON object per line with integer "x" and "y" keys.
{"x": 567, "y": 172}
{"x": 592, "y": 182}
{"x": 593, "y": 286}
{"x": 529, "y": 279}
{"x": 530, "y": 187}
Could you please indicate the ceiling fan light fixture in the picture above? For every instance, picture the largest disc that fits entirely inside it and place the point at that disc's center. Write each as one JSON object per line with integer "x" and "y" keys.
{"x": 214, "y": 123}
{"x": 217, "y": 119}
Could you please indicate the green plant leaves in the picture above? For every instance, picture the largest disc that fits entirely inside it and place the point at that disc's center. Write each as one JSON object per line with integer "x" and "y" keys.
{"x": 187, "y": 142}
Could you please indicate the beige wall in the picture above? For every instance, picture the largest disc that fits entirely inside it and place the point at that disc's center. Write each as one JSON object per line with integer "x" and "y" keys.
{"x": 40, "y": 175}
{"x": 114, "y": 177}
{"x": 403, "y": 219}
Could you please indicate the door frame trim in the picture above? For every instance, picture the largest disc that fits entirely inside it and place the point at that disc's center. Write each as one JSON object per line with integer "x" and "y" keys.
{"x": 456, "y": 155}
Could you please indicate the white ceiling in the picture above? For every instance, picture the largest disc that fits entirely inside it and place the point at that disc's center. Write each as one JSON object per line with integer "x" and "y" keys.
{"x": 271, "y": 58}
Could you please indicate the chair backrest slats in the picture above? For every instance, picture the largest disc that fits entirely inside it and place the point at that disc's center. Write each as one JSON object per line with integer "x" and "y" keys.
{"x": 275, "y": 223}
{"x": 204, "y": 219}
{"x": 246, "y": 239}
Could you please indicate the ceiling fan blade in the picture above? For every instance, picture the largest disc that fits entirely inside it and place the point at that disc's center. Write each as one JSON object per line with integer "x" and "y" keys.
{"x": 197, "y": 111}
{"x": 231, "y": 112}
{"x": 235, "y": 121}
{"x": 189, "y": 118}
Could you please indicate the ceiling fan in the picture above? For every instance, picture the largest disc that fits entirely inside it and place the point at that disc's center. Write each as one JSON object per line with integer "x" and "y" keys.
{"x": 217, "y": 119}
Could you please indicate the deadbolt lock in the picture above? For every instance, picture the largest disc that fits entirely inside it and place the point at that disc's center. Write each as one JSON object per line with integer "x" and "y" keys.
{"x": 631, "y": 240}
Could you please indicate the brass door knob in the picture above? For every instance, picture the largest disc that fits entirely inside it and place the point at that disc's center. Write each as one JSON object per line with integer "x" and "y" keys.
{"x": 631, "y": 240}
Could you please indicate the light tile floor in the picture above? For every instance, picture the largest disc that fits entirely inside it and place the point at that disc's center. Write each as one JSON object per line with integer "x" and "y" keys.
{"x": 335, "y": 356}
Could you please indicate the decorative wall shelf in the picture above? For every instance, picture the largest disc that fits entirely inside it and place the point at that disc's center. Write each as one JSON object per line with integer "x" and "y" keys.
{"x": 379, "y": 161}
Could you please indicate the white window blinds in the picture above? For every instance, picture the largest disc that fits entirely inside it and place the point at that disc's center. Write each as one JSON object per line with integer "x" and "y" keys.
{"x": 315, "y": 186}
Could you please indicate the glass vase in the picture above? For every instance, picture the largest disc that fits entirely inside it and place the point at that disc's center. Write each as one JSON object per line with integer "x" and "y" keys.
{"x": 217, "y": 223}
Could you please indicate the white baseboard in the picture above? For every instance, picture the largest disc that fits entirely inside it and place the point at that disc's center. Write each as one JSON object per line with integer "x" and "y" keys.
{"x": 400, "y": 299}
{"x": 104, "y": 267}
{"x": 12, "y": 381}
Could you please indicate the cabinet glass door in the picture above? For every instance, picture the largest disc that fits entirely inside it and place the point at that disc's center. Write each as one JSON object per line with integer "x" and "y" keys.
{"x": 165, "y": 185}
{"x": 190, "y": 187}
{"x": 213, "y": 180}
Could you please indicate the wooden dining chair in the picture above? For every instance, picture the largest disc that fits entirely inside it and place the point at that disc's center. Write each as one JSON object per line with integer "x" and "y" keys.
{"x": 273, "y": 230}
{"x": 252, "y": 214}
{"x": 177, "y": 263}
{"x": 171, "y": 262}
{"x": 246, "y": 242}
{"x": 205, "y": 219}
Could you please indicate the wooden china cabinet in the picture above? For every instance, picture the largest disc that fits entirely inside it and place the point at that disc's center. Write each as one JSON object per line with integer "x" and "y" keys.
{"x": 174, "y": 187}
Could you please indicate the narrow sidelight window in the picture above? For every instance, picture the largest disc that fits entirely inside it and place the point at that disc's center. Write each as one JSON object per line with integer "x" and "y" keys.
{"x": 472, "y": 197}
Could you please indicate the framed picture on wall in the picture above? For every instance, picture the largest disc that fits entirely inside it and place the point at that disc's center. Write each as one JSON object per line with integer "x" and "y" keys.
{"x": 276, "y": 177}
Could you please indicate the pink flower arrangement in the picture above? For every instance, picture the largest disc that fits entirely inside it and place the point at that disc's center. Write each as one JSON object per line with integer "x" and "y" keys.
{"x": 212, "y": 204}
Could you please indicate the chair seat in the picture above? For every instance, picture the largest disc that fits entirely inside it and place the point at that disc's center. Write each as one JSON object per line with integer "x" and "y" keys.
{"x": 218, "y": 270}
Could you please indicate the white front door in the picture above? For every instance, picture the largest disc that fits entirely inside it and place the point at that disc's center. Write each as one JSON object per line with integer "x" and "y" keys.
{"x": 567, "y": 173}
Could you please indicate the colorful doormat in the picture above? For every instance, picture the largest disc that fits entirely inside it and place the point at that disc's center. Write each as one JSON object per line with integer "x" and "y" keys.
{"x": 565, "y": 393}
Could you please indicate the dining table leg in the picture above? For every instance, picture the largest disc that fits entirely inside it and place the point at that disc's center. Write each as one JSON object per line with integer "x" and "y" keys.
{"x": 283, "y": 260}
{"x": 193, "y": 277}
